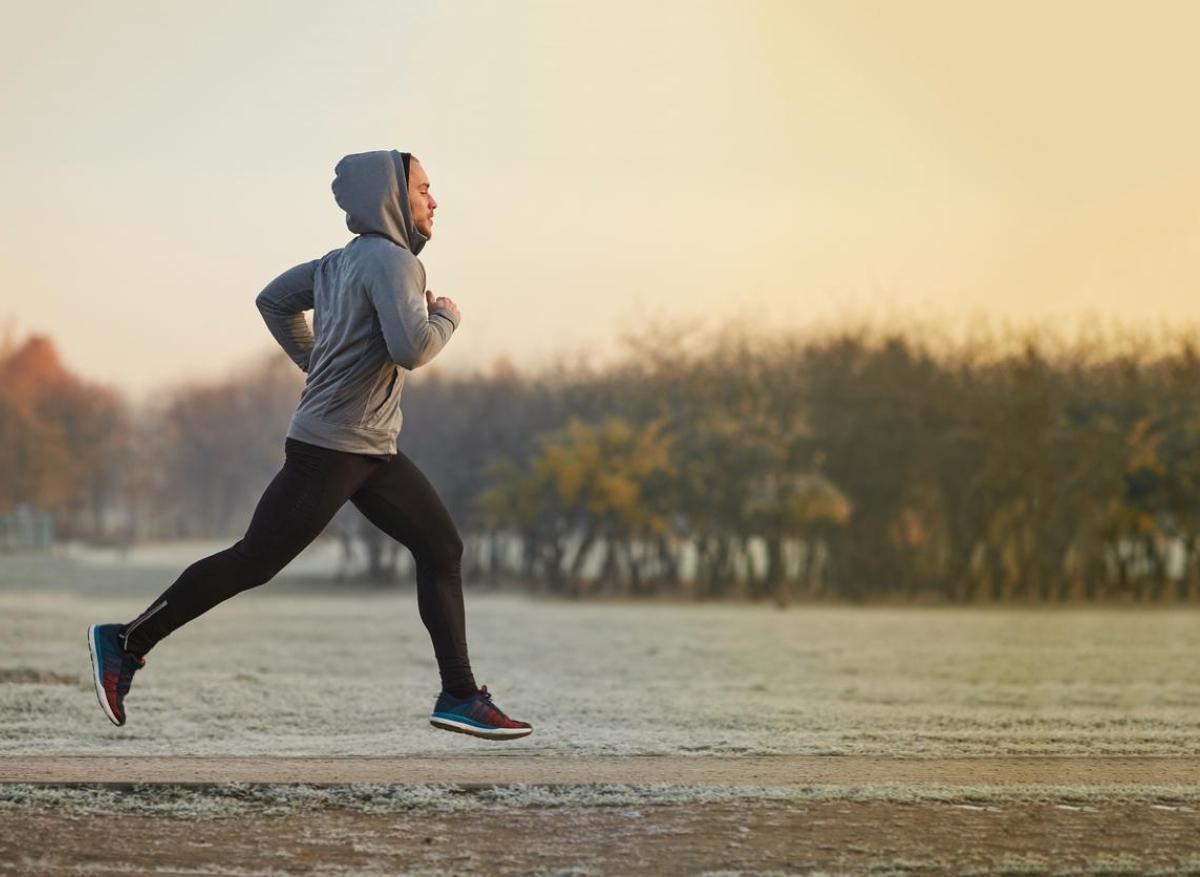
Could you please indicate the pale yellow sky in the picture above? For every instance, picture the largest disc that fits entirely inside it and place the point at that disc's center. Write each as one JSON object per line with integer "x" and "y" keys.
{"x": 597, "y": 165}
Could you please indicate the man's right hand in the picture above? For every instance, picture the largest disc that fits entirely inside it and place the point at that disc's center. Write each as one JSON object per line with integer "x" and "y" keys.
{"x": 441, "y": 302}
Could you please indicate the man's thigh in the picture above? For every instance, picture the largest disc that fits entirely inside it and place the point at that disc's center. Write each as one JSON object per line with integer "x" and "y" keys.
{"x": 403, "y": 503}
{"x": 302, "y": 499}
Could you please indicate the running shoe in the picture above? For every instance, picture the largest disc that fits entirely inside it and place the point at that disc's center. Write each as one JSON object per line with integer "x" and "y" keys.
{"x": 112, "y": 669}
{"x": 476, "y": 715}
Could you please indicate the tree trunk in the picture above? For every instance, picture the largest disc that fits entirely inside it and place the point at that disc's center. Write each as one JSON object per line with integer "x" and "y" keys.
{"x": 774, "y": 574}
{"x": 670, "y": 563}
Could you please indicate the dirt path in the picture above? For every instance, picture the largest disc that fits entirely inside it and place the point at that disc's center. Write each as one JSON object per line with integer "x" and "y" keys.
{"x": 501, "y": 768}
{"x": 1092, "y": 835}
{"x": 827, "y": 838}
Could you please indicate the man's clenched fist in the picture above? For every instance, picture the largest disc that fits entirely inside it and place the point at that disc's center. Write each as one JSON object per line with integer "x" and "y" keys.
{"x": 441, "y": 302}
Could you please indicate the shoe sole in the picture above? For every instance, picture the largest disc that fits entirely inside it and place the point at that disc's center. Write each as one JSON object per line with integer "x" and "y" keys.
{"x": 96, "y": 677}
{"x": 495, "y": 734}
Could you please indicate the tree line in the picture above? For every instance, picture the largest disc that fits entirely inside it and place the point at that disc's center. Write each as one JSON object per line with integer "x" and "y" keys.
{"x": 853, "y": 463}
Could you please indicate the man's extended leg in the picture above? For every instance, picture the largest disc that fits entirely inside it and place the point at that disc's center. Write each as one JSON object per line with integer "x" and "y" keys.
{"x": 301, "y": 499}
{"x": 402, "y": 503}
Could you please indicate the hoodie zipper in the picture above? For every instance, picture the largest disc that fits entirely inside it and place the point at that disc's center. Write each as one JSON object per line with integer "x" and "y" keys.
{"x": 388, "y": 394}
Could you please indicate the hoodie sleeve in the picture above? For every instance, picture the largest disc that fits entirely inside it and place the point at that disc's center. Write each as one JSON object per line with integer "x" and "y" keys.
{"x": 396, "y": 285}
{"x": 281, "y": 304}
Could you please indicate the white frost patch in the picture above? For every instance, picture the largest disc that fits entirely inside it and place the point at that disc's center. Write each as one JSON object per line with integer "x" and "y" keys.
{"x": 350, "y": 671}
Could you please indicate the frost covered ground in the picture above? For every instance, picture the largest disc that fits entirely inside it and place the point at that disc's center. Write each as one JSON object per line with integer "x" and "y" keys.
{"x": 306, "y": 667}
{"x": 292, "y": 669}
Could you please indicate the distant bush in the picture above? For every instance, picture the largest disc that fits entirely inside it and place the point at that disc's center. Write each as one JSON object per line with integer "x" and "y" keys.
{"x": 847, "y": 463}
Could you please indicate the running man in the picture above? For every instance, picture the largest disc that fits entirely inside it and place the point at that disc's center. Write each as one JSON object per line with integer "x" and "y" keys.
{"x": 374, "y": 321}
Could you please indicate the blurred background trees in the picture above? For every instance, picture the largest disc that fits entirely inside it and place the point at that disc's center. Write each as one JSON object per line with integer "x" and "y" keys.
{"x": 853, "y": 464}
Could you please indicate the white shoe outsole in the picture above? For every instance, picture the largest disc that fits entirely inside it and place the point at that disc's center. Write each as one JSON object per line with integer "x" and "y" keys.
{"x": 464, "y": 728}
{"x": 97, "y": 677}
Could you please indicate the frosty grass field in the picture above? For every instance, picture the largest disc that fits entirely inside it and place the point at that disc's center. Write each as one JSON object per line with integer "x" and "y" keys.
{"x": 286, "y": 669}
{"x": 305, "y": 667}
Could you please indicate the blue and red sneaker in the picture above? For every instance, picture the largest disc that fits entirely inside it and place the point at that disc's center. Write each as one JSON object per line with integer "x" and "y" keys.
{"x": 112, "y": 669}
{"x": 476, "y": 715}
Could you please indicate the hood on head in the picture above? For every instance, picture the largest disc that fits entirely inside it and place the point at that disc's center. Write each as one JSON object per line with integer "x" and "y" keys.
{"x": 373, "y": 190}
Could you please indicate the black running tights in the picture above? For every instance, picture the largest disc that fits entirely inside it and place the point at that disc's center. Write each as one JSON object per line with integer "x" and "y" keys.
{"x": 299, "y": 502}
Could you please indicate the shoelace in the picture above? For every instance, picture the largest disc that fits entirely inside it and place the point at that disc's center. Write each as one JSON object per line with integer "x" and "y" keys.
{"x": 487, "y": 695}
{"x": 125, "y": 679}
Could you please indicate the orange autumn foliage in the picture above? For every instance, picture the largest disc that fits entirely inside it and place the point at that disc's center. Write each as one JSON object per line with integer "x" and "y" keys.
{"x": 58, "y": 432}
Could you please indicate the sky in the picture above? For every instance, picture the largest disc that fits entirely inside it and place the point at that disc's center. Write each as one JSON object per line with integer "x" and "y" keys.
{"x": 599, "y": 167}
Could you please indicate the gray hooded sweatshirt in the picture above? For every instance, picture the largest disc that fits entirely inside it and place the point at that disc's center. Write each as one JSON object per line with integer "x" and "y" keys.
{"x": 371, "y": 324}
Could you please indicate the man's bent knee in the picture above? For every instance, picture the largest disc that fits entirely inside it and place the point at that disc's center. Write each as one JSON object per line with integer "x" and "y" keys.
{"x": 444, "y": 552}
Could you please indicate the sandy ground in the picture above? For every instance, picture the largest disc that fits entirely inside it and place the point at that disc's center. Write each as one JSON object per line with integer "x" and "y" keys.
{"x": 502, "y": 768}
{"x": 511, "y": 813}
{"x": 731, "y": 839}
